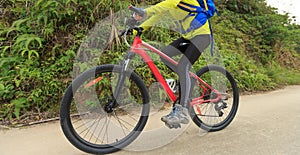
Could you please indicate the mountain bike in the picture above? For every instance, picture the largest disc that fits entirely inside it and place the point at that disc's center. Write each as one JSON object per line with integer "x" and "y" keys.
{"x": 107, "y": 107}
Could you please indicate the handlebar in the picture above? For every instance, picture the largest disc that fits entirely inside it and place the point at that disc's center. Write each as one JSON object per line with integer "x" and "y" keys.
{"x": 136, "y": 10}
{"x": 131, "y": 24}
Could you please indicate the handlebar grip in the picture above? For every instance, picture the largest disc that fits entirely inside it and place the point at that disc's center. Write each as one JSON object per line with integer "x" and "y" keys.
{"x": 139, "y": 11}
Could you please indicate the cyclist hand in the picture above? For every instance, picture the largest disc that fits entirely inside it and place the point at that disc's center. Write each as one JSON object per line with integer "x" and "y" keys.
{"x": 139, "y": 16}
{"x": 132, "y": 32}
{"x": 129, "y": 32}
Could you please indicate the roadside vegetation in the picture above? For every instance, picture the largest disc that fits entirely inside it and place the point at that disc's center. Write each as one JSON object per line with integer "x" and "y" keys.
{"x": 39, "y": 42}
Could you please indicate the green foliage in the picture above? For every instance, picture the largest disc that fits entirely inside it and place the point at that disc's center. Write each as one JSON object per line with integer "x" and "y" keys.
{"x": 40, "y": 39}
{"x": 38, "y": 43}
{"x": 18, "y": 105}
{"x": 252, "y": 38}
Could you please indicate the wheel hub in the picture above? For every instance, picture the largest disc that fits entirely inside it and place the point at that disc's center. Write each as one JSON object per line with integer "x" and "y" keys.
{"x": 108, "y": 107}
{"x": 219, "y": 108}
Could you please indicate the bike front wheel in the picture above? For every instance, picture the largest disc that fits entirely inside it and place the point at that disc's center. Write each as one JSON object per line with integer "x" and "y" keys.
{"x": 215, "y": 116}
{"x": 85, "y": 118}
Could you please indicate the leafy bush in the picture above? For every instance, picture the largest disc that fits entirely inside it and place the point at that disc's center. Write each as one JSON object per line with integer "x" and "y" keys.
{"x": 40, "y": 39}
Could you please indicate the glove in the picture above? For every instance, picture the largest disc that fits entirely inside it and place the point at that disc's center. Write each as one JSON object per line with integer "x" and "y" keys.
{"x": 132, "y": 32}
{"x": 139, "y": 14}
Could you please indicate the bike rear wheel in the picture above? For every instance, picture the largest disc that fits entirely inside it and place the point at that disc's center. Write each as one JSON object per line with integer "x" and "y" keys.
{"x": 87, "y": 122}
{"x": 215, "y": 116}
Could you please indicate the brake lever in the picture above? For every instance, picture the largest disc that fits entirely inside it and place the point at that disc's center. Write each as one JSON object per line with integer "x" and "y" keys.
{"x": 129, "y": 24}
{"x": 122, "y": 33}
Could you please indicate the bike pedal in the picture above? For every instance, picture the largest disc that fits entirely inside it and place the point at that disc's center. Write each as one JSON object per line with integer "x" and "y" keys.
{"x": 171, "y": 126}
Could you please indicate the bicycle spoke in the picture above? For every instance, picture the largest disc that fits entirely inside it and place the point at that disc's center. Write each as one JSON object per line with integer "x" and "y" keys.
{"x": 91, "y": 127}
{"x": 101, "y": 131}
{"x": 88, "y": 128}
{"x": 121, "y": 125}
{"x": 83, "y": 124}
{"x": 131, "y": 116}
{"x": 216, "y": 116}
{"x": 96, "y": 126}
{"x": 106, "y": 129}
{"x": 95, "y": 129}
{"x": 126, "y": 122}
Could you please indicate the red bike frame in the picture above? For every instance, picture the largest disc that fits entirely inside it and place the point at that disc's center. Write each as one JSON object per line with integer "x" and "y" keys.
{"x": 138, "y": 48}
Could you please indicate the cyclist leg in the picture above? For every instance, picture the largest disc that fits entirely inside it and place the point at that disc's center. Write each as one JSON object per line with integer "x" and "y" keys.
{"x": 191, "y": 55}
{"x": 179, "y": 114}
{"x": 174, "y": 49}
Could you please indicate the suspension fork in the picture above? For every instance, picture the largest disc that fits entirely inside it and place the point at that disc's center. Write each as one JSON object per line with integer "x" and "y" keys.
{"x": 121, "y": 78}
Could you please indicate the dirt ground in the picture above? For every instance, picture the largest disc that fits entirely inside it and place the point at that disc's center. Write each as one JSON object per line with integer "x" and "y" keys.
{"x": 266, "y": 124}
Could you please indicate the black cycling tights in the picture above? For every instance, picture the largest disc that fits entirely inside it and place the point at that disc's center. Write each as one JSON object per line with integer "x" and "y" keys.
{"x": 192, "y": 50}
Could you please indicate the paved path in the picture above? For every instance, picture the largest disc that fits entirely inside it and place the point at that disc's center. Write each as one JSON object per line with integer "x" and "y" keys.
{"x": 266, "y": 124}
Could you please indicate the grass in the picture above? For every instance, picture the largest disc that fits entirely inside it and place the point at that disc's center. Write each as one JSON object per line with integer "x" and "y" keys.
{"x": 284, "y": 76}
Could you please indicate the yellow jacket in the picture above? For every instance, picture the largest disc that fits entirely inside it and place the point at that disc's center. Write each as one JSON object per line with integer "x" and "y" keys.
{"x": 177, "y": 13}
